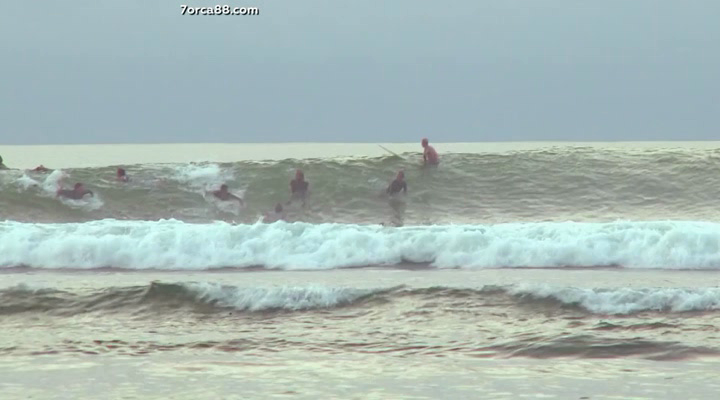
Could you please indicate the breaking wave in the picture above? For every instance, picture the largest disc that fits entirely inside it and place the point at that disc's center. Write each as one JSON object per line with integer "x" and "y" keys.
{"x": 208, "y": 297}
{"x": 176, "y": 245}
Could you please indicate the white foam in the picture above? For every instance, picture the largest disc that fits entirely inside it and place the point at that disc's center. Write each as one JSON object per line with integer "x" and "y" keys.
{"x": 173, "y": 244}
{"x": 203, "y": 176}
{"x": 50, "y": 185}
{"x": 230, "y": 206}
{"x": 282, "y": 297}
{"x": 628, "y": 300}
{"x": 27, "y": 182}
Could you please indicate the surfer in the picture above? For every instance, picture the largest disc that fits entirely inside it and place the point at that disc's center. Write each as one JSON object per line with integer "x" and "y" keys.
{"x": 40, "y": 168}
{"x": 397, "y": 204}
{"x": 76, "y": 193}
{"x": 397, "y": 185}
{"x": 276, "y": 215}
{"x": 122, "y": 175}
{"x": 298, "y": 187}
{"x": 224, "y": 195}
{"x": 430, "y": 156}
{"x": 2, "y": 166}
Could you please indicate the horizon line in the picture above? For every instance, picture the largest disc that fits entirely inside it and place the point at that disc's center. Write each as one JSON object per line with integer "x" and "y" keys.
{"x": 356, "y": 143}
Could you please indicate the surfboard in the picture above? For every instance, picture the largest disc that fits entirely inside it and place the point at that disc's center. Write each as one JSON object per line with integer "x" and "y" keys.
{"x": 391, "y": 152}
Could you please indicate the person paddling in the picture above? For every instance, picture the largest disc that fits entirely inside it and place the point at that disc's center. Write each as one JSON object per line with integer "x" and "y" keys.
{"x": 278, "y": 214}
{"x": 40, "y": 168}
{"x": 76, "y": 193}
{"x": 397, "y": 185}
{"x": 122, "y": 175}
{"x": 225, "y": 195}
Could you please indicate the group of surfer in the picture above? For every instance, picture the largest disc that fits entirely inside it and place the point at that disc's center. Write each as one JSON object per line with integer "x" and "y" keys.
{"x": 78, "y": 192}
{"x": 430, "y": 158}
{"x": 298, "y": 190}
{"x": 298, "y": 186}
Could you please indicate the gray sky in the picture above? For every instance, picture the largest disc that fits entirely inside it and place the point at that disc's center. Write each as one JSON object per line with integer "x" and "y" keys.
{"x": 98, "y": 71}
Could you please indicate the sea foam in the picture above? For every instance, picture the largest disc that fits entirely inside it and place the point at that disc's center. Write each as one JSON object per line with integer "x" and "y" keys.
{"x": 172, "y": 244}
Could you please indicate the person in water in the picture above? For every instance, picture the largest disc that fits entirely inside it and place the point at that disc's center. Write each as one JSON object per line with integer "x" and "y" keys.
{"x": 122, "y": 175}
{"x": 40, "y": 168}
{"x": 277, "y": 214}
{"x": 2, "y": 166}
{"x": 298, "y": 187}
{"x": 225, "y": 195}
{"x": 397, "y": 185}
{"x": 430, "y": 156}
{"x": 76, "y": 193}
{"x": 398, "y": 205}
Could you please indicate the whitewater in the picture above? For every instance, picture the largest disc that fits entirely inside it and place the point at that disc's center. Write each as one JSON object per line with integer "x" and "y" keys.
{"x": 184, "y": 246}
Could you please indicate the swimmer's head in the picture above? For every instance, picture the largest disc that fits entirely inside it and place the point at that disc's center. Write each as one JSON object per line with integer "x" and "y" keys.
{"x": 424, "y": 142}
{"x": 278, "y": 208}
{"x": 120, "y": 172}
{"x": 401, "y": 175}
{"x": 224, "y": 187}
{"x": 299, "y": 174}
{"x": 78, "y": 186}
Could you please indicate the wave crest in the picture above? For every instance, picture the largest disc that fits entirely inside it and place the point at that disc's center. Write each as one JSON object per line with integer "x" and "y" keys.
{"x": 208, "y": 297}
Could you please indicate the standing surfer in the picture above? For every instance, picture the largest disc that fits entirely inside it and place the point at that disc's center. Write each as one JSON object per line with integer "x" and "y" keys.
{"x": 430, "y": 156}
{"x": 298, "y": 187}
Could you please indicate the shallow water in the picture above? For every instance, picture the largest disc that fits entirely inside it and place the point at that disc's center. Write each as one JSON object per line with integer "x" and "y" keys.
{"x": 351, "y": 377}
{"x": 429, "y": 335}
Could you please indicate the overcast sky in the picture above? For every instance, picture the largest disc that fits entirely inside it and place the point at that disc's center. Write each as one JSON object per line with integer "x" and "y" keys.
{"x": 99, "y": 71}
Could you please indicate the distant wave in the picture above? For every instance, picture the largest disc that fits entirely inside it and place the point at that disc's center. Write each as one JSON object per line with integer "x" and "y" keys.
{"x": 208, "y": 297}
{"x": 621, "y": 301}
{"x": 558, "y": 184}
{"x": 163, "y": 297}
{"x": 183, "y": 246}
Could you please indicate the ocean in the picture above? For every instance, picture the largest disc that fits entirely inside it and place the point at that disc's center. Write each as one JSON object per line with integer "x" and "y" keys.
{"x": 512, "y": 270}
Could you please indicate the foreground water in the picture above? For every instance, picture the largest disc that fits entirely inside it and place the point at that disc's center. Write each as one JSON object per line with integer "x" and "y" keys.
{"x": 560, "y": 272}
{"x": 360, "y": 333}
